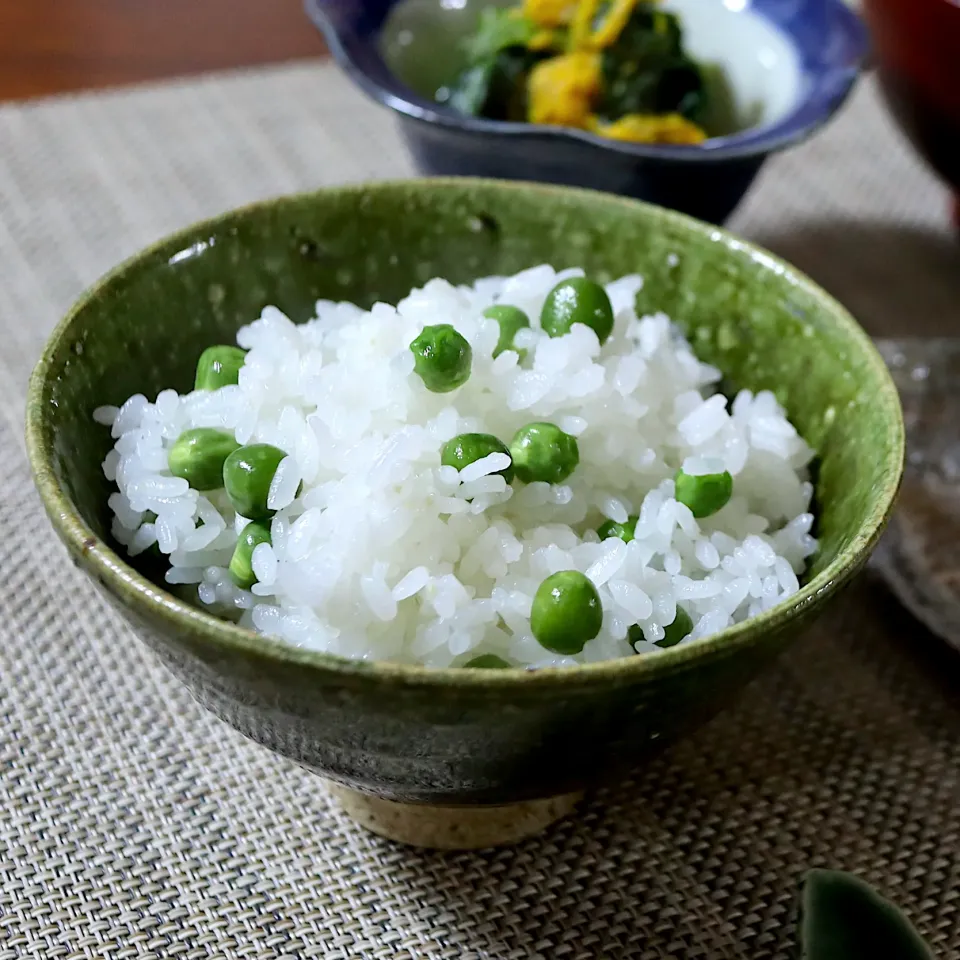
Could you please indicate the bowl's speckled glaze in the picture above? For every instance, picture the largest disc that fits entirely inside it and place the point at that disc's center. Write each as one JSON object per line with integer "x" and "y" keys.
{"x": 458, "y": 736}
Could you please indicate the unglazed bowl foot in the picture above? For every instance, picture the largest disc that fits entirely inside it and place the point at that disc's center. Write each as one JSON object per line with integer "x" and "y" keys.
{"x": 453, "y": 828}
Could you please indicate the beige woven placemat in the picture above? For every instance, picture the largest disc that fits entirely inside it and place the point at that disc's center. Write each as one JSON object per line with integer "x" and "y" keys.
{"x": 135, "y": 825}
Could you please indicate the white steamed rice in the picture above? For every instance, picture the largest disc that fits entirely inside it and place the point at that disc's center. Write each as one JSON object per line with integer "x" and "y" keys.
{"x": 388, "y": 555}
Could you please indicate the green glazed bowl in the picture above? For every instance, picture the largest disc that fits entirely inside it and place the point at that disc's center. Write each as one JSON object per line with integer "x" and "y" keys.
{"x": 459, "y": 757}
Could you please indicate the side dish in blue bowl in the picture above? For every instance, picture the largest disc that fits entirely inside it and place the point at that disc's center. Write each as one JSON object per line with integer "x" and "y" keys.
{"x": 677, "y": 102}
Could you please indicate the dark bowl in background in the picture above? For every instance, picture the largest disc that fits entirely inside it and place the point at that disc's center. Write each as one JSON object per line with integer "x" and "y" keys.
{"x": 917, "y": 51}
{"x": 827, "y": 39}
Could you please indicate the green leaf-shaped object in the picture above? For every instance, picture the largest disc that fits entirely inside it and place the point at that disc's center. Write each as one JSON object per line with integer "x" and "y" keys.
{"x": 498, "y": 29}
{"x": 843, "y": 918}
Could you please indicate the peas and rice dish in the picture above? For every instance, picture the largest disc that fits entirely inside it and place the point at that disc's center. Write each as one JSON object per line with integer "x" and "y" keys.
{"x": 618, "y": 68}
{"x": 522, "y": 472}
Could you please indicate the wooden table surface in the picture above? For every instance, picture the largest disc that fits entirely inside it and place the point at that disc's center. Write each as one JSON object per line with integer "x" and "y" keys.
{"x": 58, "y": 46}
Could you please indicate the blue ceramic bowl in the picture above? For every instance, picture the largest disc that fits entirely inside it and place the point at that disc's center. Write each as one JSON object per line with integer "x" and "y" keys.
{"x": 786, "y": 68}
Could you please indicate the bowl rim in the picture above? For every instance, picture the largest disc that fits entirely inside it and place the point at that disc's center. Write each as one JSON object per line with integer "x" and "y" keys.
{"x": 361, "y": 61}
{"x": 134, "y": 590}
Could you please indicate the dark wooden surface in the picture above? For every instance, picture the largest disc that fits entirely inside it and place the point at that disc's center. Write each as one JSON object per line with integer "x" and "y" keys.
{"x": 57, "y": 46}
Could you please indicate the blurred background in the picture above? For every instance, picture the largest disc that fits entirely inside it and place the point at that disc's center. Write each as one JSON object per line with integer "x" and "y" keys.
{"x": 58, "y": 46}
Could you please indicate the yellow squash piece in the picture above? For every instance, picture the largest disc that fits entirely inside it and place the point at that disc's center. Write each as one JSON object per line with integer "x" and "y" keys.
{"x": 613, "y": 23}
{"x": 581, "y": 24}
{"x": 549, "y": 13}
{"x": 562, "y": 90}
{"x": 582, "y": 34}
{"x": 670, "y": 128}
{"x": 544, "y": 40}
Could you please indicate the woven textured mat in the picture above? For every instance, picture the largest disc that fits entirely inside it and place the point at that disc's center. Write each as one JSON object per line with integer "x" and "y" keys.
{"x": 135, "y": 825}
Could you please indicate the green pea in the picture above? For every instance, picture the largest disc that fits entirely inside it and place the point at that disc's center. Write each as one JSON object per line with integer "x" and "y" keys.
{"x": 247, "y": 474}
{"x": 673, "y": 633}
{"x": 218, "y": 367}
{"x": 441, "y": 358}
{"x": 510, "y": 320}
{"x": 487, "y": 661}
{"x": 241, "y": 563}
{"x": 467, "y": 448}
{"x": 198, "y": 456}
{"x": 624, "y": 531}
{"x": 705, "y": 494}
{"x": 566, "y": 612}
{"x": 577, "y": 300}
{"x": 542, "y": 451}
{"x": 681, "y": 627}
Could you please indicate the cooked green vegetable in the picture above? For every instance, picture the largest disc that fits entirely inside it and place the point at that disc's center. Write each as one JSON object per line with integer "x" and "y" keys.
{"x": 617, "y": 68}
{"x": 647, "y": 72}
{"x": 498, "y": 30}
{"x": 494, "y": 89}
{"x": 467, "y": 448}
{"x": 198, "y": 456}
{"x": 542, "y": 451}
{"x": 566, "y": 612}
{"x": 577, "y": 300}
{"x": 622, "y": 530}
{"x": 704, "y": 494}
{"x": 510, "y": 320}
{"x": 442, "y": 358}
{"x": 487, "y": 661}
{"x": 218, "y": 367}
{"x": 673, "y": 633}
{"x": 241, "y": 563}
{"x": 247, "y": 475}
{"x": 494, "y": 82}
